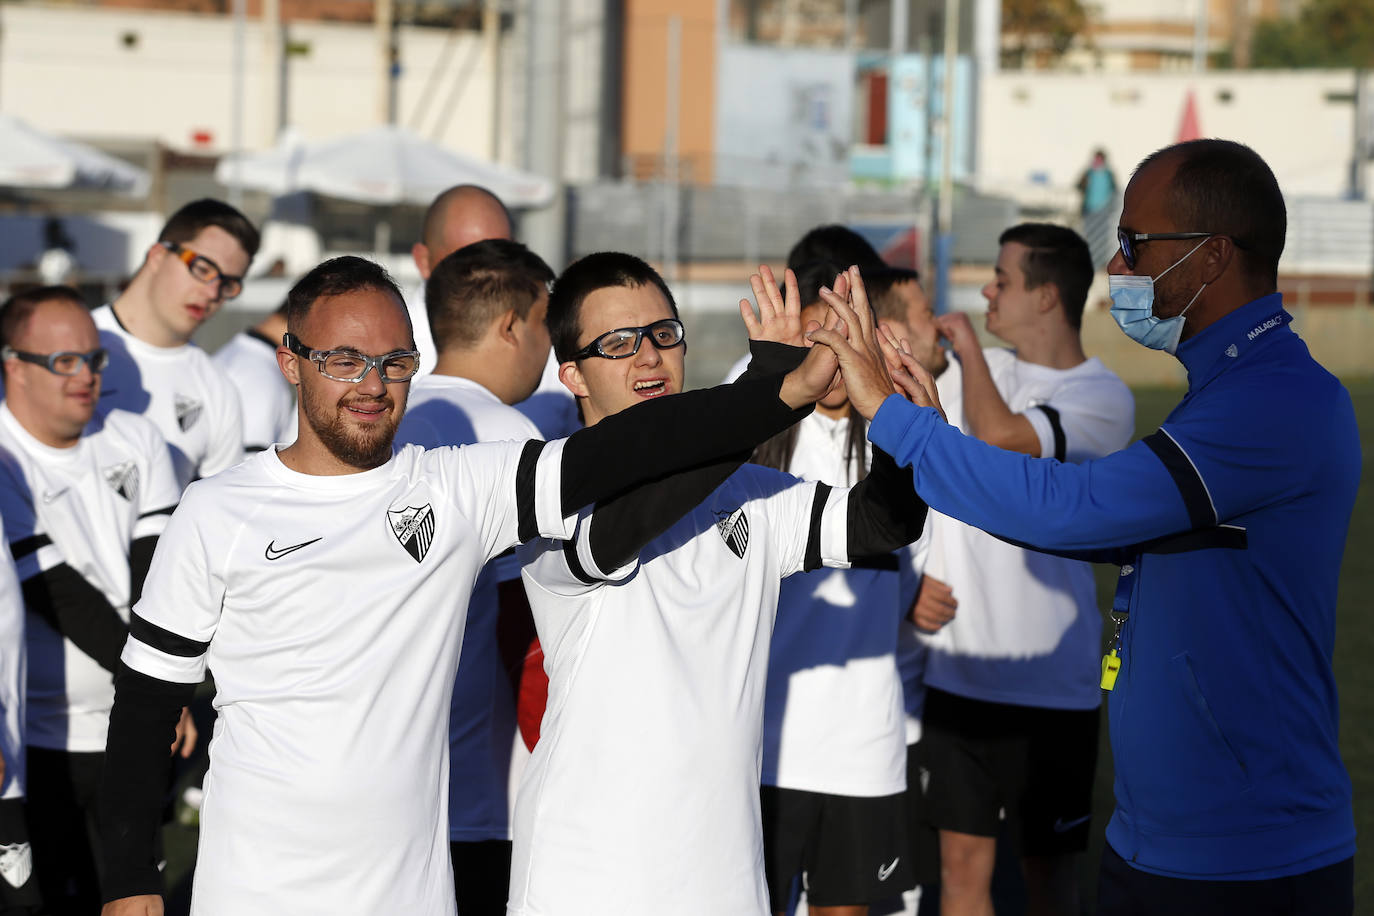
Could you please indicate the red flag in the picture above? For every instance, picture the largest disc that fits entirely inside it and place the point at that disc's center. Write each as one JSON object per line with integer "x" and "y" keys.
{"x": 1188, "y": 128}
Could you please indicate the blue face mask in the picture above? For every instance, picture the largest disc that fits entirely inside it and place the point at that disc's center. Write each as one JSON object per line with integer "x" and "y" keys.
{"x": 1133, "y": 307}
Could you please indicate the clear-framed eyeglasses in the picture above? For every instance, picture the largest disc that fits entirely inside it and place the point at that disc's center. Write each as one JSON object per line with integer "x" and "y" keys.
{"x": 63, "y": 362}
{"x": 623, "y": 343}
{"x": 351, "y": 366}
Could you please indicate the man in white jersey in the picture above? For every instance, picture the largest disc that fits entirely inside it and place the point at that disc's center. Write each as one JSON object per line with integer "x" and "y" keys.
{"x": 461, "y": 215}
{"x": 835, "y": 732}
{"x": 249, "y": 361}
{"x": 642, "y": 793}
{"x": 1011, "y": 716}
{"x": 18, "y": 887}
{"x": 486, "y": 308}
{"x": 84, "y": 494}
{"x": 325, "y": 586}
{"x": 197, "y": 263}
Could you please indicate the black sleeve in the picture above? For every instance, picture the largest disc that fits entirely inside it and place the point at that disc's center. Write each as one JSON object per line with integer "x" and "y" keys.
{"x": 79, "y": 611}
{"x": 137, "y": 765}
{"x": 883, "y": 510}
{"x": 140, "y": 558}
{"x": 622, "y": 525}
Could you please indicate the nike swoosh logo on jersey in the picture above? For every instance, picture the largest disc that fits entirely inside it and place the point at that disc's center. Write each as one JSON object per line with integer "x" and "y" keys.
{"x": 50, "y": 495}
{"x": 274, "y": 552}
{"x": 1063, "y": 826}
{"x": 885, "y": 871}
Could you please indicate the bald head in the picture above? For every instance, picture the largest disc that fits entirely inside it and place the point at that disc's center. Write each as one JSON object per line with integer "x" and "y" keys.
{"x": 458, "y": 217}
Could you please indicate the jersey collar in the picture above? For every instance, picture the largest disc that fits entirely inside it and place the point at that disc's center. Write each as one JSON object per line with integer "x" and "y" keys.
{"x": 1228, "y": 338}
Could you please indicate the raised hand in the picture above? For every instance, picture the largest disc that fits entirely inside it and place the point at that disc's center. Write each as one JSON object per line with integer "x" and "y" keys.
{"x": 958, "y": 330}
{"x": 913, "y": 380}
{"x": 779, "y": 316}
{"x": 863, "y": 363}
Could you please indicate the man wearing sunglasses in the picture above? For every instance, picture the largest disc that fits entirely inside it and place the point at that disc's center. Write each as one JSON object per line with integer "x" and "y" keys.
{"x": 84, "y": 493}
{"x": 642, "y": 795}
{"x": 1228, "y": 524}
{"x": 194, "y": 267}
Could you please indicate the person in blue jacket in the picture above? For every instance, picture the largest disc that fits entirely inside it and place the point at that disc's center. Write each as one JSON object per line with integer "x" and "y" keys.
{"x": 1228, "y": 523}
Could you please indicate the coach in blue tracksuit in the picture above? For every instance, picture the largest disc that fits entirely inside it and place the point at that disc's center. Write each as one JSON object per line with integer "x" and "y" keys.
{"x": 1229, "y": 524}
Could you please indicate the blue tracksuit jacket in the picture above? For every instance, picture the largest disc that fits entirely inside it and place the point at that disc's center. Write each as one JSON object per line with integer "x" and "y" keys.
{"x": 1229, "y": 523}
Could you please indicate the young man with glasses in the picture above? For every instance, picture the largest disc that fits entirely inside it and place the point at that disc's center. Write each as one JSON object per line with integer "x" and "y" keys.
{"x": 642, "y": 795}
{"x": 196, "y": 265}
{"x": 325, "y": 585}
{"x": 1228, "y": 524}
{"x": 84, "y": 493}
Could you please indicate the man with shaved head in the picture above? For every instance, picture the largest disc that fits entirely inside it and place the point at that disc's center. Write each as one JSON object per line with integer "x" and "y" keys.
{"x": 463, "y": 214}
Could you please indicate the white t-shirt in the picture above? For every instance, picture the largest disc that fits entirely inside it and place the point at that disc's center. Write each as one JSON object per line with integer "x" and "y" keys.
{"x": 833, "y": 718}
{"x": 447, "y": 410}
{"x": 642, "y": 793}
{"x": 331, "y": 611}
{"x": 1028, "y": 627}
{"x": 266, "y": 398}
{"x": 419, "y": 323}
{"x": 12, "y": 673}
{"x": 82, "y": 506}
{"x": 188, "y": 399}
{"x": 552, "y": 407}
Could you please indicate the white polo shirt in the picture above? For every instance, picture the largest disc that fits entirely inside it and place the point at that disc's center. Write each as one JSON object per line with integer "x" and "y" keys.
{"x": 178, "y": 388}
{"x": 82, "y": 506}
{"x": 642, "y": 793}
{"x": 447, "y": 410}
{"x": 331, "y": 611}
{"x": 1028, "y": 628}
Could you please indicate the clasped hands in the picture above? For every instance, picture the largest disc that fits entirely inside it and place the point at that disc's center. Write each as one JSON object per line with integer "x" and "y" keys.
{"x": 857, "y": 350}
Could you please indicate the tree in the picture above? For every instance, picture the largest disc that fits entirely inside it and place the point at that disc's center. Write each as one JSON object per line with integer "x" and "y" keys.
{"x": 1327, "y": 33}
{"x": 1050, "y": 25}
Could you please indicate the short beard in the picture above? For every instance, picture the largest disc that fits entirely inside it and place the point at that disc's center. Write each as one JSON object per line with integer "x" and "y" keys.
{"x": 361, "y": 451}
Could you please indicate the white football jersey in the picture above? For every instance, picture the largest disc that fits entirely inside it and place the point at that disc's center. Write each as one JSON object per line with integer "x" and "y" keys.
{"x": 12, "y": 673}
{"x": 447, "y": 410}
{"x": 330, "y": 611}
{"x": 833, "y": 718}
{"x": 642, "y": 795}
{"x": 1028, "y": 628}
{"x": 266, "y": 398}
{"x": 188, "y": 399}
{"x": 82, "y": 506}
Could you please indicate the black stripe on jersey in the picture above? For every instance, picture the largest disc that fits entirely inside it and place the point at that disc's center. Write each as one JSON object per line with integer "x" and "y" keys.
{"x": 1190, "y": 484}
{"x": 574, "y": 564}
{"x": 22, "y": 547}
{"x": 886, "y": 562}
{"x": 258, "y": 335}
{"x": 150, "y": 634}
{"x": 813, "y": 536}
{"x": 1222, "y": 537}
{"x": 165, "y": 510}
{"x": 1060, "y": 446}
{"x": 528, "y": 525}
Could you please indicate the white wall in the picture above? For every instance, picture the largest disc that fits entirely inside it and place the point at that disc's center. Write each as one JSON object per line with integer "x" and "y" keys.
{"x": 69, "y": 70}
{"x": 1049, "y": 123}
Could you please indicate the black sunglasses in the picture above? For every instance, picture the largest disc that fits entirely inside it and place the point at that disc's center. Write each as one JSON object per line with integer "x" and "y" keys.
{"x": 1128, "y": 240}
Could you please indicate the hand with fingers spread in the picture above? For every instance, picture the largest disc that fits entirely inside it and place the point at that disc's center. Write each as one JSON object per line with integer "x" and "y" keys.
{"x": 862, "y": 361}
{"x": 779, "y": 317}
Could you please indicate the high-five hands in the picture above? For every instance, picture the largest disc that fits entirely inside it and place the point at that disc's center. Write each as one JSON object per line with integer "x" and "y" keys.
{"x": 779, "y": 317}
{"x": 873, "y": 364}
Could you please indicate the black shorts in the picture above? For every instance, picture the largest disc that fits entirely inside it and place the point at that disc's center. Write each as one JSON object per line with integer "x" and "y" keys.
{"x": 1030, "y": 765}
{"x": 923, "y": 838}
{"x": 1126, "y": 891}
{"x": 849, "y": 850}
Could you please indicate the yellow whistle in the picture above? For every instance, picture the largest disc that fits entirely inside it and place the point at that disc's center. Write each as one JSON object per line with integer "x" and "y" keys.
{"x": 1111, "y": 664}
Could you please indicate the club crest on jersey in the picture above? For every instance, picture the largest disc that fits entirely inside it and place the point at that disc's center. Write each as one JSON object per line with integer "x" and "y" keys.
{"x": 123, "y": 477}
{"x": 16, "y": 863}
{"x": 414, "y": 528}
{"x": 188, "y": 411}
{"x": 734, "y": 528}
